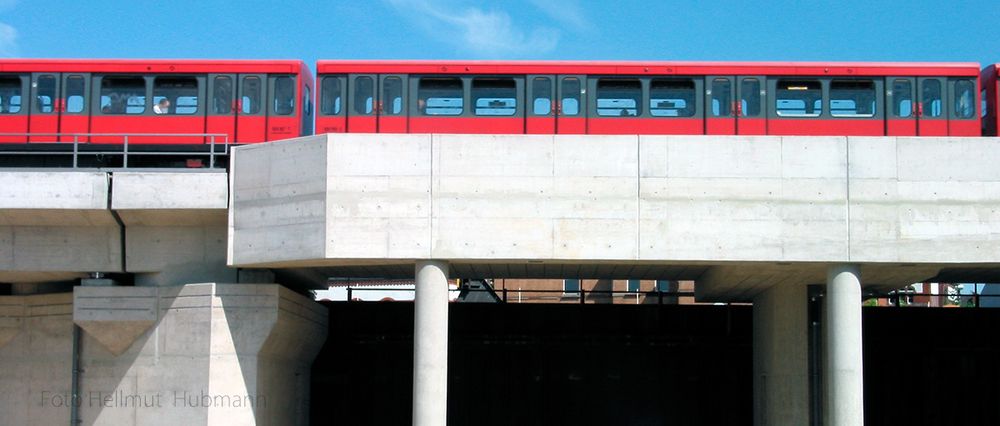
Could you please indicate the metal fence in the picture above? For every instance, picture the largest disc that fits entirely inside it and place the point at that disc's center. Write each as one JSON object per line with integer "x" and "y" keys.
{"x": 217, "y": 143}
{"x": 504, "y": 295}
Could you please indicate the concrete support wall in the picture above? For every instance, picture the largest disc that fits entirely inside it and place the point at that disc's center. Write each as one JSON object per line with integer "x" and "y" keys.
{"x": 781, "y": 356}
{"x": 36, "y": 347}
{"x": 197, "y": 354}
{"x": 844, "y": 376}
{"x": 430, "y": 344}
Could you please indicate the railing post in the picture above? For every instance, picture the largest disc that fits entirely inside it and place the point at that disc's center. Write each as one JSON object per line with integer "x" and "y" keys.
{"x": 505, "y": 294}
{"x": 125, "y": 154}
{"x": 583, "y": 295}
{"x": 211, "y": 156}
{"x": 76, "y": 149}
{"x": 349, "y": 294}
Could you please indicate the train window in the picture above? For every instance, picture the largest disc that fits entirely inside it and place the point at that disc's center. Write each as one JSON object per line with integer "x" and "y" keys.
{"x": 306, "y": 101}
{"x": 965, "y": 99}
{"x": 673, "y": 98}
{"x": 750, "y": 97}
{"x": 852, "y": 98}
{"x": 392, "y": 96}
{"x": 494, "y": 96}
{"x": 931, "y": 100}
{"x": 799, "y": 98}
{"x": 541, "y": 96}
{"x": 440, "y": 96}
{"x": 283, "y": 102}
{"x": 251, "y": 95}
{"x": 180, "y": 92}
{"x": 364, "y": 95}
{"x": 571, "y": 91}
{"x": 45, "y": 93}
{"x": 721, "y": 97}
{"x": 902, "y": 98}
{"x": 76, "y": 93}
{"x": 330, "y": 96}
{"x": 619, "y": 97}
{"x": 222, "y": 95}
{"x": 10, "y": 95}
{"x": 123, "y": 95}
{"x": 983, "y": 105}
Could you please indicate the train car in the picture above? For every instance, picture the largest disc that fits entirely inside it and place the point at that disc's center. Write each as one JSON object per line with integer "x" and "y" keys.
{"x": 786, "y": 98}
{"x": 990, "y": 94}
{"x": 56, "y": 100}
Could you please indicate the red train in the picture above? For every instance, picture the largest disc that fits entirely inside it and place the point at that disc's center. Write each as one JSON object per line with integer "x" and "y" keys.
{"x": 255, "y": 101}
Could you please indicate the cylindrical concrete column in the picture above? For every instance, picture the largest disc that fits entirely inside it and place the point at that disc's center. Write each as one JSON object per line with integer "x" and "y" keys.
{"x": 844, "y": 375}
{"x": 430, "y": 344}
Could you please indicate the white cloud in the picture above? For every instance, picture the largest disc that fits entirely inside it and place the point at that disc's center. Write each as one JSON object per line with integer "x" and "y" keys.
{"x": 565, "y": 11}
{"x": 483, "y": 33}
{"x": 8, "y": 40}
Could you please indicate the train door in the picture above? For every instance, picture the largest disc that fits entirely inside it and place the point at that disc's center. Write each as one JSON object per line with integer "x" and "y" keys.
{"x": 284, "y": 120}
{"x": 720, "y": 114}
{"x": 901, "y": 117}
{"x": 44, "y": 107}
{"x": 751, "y": 109}
{"x": 963, "y": 119}
{"x": 221, "y": 116}
{"x": 541, "y": 116}
{"x": 932, "y": 111}
{"x": 571, "y": 109}
{"x": 251, "y": 110}
{"x": 361, "y": 116}
{"x": 391, "y": 105}
{"x": 14, "y": 106}
{"x": 74, "y": 108}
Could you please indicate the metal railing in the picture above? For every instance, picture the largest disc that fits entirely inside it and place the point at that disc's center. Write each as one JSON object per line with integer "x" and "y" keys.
{"x": 78, "y": 139}
{"x": 581, "y": 296}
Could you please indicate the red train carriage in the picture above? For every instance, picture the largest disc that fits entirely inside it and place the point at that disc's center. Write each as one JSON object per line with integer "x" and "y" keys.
{"x": 895, "y": 99}
{"x": 990, "y": 94}
{"x": 247, "y": 101}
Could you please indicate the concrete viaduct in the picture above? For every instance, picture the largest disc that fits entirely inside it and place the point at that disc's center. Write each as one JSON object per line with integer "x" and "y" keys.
{"x": 750, "y": 219}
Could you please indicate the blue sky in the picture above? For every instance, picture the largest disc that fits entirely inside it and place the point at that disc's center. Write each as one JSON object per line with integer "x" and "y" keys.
{"x": 893, "y": 30}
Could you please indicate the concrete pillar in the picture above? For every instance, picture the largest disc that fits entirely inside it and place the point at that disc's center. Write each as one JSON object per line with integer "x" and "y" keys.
{"x": 844, "y": 376}
{"x": 781, "y": 356}
{"x": 430, "y": 344}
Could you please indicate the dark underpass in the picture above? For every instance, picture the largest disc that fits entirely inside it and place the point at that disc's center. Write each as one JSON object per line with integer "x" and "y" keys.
{"x": 528, "y": 364}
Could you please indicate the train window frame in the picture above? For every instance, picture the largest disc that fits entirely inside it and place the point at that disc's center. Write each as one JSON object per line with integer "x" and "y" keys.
{"x": 387, "y": 107}
{"x": 218, "y": 96}
{"x": 542, "y": 89}
{"x": 690, "y": 108}
{"x": 498, "y": 106}
{"x": 609, "y": 109}
{"x": 73, "y": 106}
{"x": 717, "y": 107}
{"x": 366, "y": 106}
{"x": 260, "y": 90}
{"x": 942, "y": 89}
{"x": 176, "y": 93}
{"x": 753, "y": 102}
{"x": 420, "y": 102}
{"x": 283, "y": 93}
{"x": 843, "y": 87}
{"x": 896, "y": 107}
{"x": 957, "y": 100}
{"x": 796, "y": 84}
{"x": 984, "y": 104}
{"x": 339, "y": 100}
{"x": 5, "y": 109}
{"x": 101, "y": 89}
{"x": 51, "y": 94}
{"x": 566, "y": 87}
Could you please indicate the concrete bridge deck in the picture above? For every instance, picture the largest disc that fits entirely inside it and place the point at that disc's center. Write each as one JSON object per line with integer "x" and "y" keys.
{"x": 738, "y": 214}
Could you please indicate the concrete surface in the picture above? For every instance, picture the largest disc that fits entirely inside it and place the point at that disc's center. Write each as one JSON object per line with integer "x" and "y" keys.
{"x": 730, "y": 212}
{"x": 148, "y": 355}
{"x": 844, "y": 371}
{"x": 780, "y": 356}
{"x": 430, "y": 344}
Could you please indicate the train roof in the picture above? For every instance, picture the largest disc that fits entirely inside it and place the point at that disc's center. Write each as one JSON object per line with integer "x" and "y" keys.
{"x": 970, "y": 69}
{"x": 153, "y": 65}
